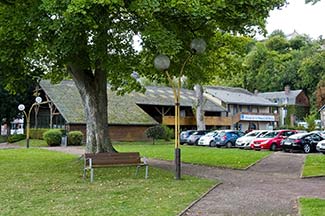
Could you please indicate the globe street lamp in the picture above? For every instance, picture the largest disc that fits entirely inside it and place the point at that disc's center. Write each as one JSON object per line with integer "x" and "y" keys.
{"x": 21, "y": 107}
{"x": 162, "y": 63}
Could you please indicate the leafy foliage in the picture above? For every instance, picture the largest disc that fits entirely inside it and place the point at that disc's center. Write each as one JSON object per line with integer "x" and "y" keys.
{"x": 37, "y": 133}
{"x": 155, "y": 132}
{"x": 53, "y": 137}
{"x": 320, "y": 93}
{"x": 310, "y": 119}
{"x": 16, "y": 137}
{"x": 92, "y": 41}
{"x": 75, "y": 137}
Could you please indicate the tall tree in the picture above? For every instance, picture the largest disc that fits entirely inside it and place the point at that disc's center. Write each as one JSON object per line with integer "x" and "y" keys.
{"x": 93, "y": 41}
{"x": 320, "y": 93}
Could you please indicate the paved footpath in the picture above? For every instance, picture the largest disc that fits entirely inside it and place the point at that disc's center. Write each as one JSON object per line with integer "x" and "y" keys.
{"x": 271, "y": 187}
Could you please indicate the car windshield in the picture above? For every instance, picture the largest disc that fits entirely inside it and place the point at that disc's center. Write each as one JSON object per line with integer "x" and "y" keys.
{"x": 252, "y": 134}
{"x": 298, "y": 136}
{"x": 211, "y": 134}
{"x": 262, "y": 134}
{"x": 271, "y": 134}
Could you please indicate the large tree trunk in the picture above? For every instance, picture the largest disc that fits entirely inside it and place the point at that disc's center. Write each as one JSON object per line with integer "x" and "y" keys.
{"x": 92, "y": 87}
{"x": 199, "y": 107}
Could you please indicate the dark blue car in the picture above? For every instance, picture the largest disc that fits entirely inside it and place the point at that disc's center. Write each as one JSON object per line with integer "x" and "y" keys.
{"x": 227, "y": 138}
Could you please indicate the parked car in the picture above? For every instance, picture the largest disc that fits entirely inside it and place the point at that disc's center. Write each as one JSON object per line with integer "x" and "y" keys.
{"x": 193, "y": 139}
{"x": 305, "y": 142}
{"x": 320, "y": 133}
{"x": 184, "y": 135}
{"x": 321, "y": 146}
{"x": 271, "y": 140}
{"x": 226, "y": 138}
{"x": 208, "y": 139}
{"x": 245, "y": 141}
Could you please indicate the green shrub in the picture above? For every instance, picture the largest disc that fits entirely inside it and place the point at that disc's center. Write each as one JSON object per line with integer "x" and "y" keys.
{"x": 155, "y": 132}
{"x": 75, "y": 138}
{"x": 160, "y": 132}
{"x": 53, "y": 137}
{"x": 168, "y": 133}
{"x": 37, "y": 133}
{"x": 16, "y": 137}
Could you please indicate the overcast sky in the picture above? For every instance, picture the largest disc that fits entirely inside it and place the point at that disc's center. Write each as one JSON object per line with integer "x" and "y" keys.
{"x": 304, "y": 18}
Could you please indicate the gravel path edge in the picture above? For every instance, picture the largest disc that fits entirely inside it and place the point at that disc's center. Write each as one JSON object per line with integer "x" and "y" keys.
{"x": 199, "y": 199}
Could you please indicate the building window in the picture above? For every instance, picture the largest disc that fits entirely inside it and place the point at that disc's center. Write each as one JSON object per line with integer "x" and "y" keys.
{"x": 235, "y": 111}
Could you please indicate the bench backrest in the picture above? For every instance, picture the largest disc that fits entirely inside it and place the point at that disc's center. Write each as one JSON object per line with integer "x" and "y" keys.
{"x": 113, "y": 158}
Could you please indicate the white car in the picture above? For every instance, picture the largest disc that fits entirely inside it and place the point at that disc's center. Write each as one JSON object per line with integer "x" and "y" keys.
{"x": 207, "y": 139}
{"x": 244, "y": 141}
{"x": 321, "y": 146}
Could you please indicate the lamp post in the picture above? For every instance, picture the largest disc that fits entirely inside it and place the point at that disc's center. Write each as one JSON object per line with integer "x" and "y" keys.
{"x": 162, "y": 63}
{"x": 21, "y": 107}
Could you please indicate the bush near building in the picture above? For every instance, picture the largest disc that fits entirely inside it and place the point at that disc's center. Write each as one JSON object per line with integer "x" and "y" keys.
{"x": 53, "y": 137}
{"x": 75, "y": 138}
{"x": 16, "y": 137}
{"x": 159, "y": 132}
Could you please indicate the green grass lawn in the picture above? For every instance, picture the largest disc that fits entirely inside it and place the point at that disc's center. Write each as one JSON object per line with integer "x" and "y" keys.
{"x": 229, "y": 158}
{"x": 32, "y": 143}
{"x": 41, "y": 182}
{"x": 314, "y": 165}
{"x": 311, "y": 207}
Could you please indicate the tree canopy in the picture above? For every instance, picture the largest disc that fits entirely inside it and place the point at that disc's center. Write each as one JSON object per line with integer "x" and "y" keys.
{"x": 93, "y": 41}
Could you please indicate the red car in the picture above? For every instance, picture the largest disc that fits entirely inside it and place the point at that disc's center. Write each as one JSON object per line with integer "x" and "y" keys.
{"x": 271, "y": 140}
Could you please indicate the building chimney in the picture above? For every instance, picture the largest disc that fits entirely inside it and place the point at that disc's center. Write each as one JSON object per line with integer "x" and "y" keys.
{"x": 255, "y": 92}
{"x": 287, "y": 89}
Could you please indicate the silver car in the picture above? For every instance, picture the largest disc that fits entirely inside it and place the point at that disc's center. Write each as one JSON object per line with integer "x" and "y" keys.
{"x": 321, "y": 146}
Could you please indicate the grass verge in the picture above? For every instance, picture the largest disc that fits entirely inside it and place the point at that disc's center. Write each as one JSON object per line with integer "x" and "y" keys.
{"x": 220, "y": 157}
{"x": 314, "y": 165}
{"x": 311, "y": 207}
{"x": 32, "y": 143}
{"x": 41, "y": 182}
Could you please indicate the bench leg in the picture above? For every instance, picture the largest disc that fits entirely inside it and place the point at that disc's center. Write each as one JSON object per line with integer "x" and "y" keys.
{"x": 147, "y": 171}
{"x": 91, "y": 175}
{"x": 137, "y": 170}
{"x": 84, "y": 175}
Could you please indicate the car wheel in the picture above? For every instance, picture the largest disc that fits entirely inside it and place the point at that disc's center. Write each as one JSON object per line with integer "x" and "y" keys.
{"x": 211, "y": 144}
{"x": 307, "y": 148}
{"x": 285, "y": 150}
{"x": 196, "y": 142}
{"x": 228, "y": 144}
{"x": 323, "y": 153}
{"x": 273, "y": 147}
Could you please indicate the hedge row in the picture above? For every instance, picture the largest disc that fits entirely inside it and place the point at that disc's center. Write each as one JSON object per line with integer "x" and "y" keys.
{"x": 53, "y": 137}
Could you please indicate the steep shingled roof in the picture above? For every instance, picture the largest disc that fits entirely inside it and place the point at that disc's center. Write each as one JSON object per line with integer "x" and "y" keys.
{"x": 163, "y": 96}
{"x": 121, "y": 109}
{"x": 281, "y": 97}
{"x": 232, "y": 95}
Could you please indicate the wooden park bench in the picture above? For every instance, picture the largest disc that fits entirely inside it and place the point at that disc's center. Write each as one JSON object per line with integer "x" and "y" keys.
{"x": 109, "y": 159}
